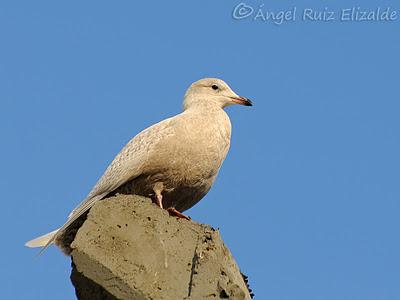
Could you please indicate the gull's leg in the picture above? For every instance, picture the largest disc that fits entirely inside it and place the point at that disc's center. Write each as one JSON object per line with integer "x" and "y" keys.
{"x": 159, "y": 200}
{"x": 174, "y": 212}
{"x": 158, "y": 188}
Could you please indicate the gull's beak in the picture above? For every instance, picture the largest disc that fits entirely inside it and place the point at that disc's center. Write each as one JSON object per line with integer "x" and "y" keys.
{"x": 242, "y": 101}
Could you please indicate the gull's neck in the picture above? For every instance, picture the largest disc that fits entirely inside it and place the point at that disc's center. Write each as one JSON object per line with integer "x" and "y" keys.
{"x": 203, "y": 106}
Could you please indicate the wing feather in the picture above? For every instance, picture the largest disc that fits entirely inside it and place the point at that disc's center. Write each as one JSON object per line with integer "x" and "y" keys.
{"x": 126, "y": 166}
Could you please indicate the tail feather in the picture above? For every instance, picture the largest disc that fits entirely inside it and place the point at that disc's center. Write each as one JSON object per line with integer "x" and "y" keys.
{"x": 41, "y": 241}
{"x": 46, "y": 240}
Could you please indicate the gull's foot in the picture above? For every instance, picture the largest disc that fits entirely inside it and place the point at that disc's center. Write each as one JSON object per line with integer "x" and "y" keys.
{"x": 173, "y": 212}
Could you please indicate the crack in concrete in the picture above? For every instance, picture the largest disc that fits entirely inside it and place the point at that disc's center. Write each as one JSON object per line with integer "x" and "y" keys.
{"x": 195, "y": 260}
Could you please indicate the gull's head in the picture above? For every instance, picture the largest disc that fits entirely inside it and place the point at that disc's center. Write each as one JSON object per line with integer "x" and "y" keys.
{"x": 212, "y": 92}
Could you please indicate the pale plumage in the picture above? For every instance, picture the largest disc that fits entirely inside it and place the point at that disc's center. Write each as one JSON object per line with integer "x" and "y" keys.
{"x": 175, "y": 161}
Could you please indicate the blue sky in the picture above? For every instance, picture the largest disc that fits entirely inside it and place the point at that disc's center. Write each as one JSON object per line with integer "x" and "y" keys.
{"x": 308, "y": 197}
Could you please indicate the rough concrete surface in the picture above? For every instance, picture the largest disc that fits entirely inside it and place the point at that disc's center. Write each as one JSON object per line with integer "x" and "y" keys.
{"x": 128, "y": 248}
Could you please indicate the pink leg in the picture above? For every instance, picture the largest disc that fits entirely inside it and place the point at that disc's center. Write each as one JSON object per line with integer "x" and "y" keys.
{"x": 159, "y": 199}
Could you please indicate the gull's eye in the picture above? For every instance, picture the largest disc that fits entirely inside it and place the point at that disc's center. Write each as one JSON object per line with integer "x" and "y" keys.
{"x": 214, "y": 87}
